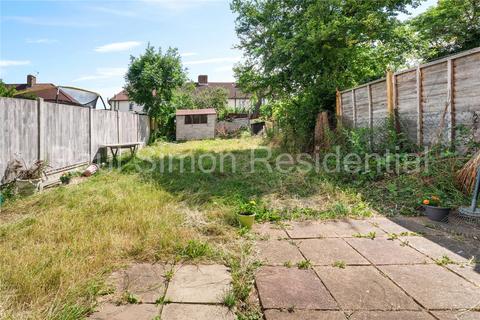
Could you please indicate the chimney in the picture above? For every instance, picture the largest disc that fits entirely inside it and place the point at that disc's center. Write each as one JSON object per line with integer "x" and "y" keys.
{"x": 31, "y": 80}
{"x": 203, "y": 80}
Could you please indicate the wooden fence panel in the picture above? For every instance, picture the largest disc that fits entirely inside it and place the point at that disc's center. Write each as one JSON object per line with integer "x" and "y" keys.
{"x": 429, "y": 101}
{"x": 379, "y": 103}
{"x": 143, "y": 128}
{"x": 66, "y": 134}
{"x": 466, "y": 93}
{"x": 128, "y": 127}
{"x": 407, "y": 103}
{"x": 19, "y": 131}
{"x": 362, "y": 105}
{"x": 104, "y": 129}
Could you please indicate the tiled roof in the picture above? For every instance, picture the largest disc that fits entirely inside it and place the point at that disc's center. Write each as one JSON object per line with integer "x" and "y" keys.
{"x": 187, "y": 112}
{"x": 121, "y": 96}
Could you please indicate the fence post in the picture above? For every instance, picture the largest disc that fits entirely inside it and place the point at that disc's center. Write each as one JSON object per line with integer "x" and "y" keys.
{"x": 451, "y": 99}
{"x": 354, "y": 109}
{"x": 419, "y": 107}
{"x": 41, "y": 138}
{"x": 338, "y": 109}
{"x": 90, "y": 134}
{"x": 390, "y": 93}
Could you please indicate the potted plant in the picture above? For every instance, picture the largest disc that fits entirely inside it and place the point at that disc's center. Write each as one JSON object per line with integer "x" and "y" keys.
{"x": 435, "y": 210}
{"x": 66, "y": 177}
{"x": 246, "y": 214}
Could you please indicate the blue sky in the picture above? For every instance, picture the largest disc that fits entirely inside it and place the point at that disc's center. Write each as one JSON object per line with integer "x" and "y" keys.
{"x": 88, "y": 43}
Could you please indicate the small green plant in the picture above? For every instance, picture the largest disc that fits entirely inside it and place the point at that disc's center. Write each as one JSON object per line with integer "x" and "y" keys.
{"x": 287, "y": 264}
{"x": 371, "y": 235}
{"x": 195, "y": 249}
{"x": 339, "y": 264}
{"x": 229, "y": 299}
{"x": 130, "y": 298}
{"x": 247, "y": 208}
{"x": 169, "y": 275}
{"x": 444, "y": 260}
{"x": 392, "y": 236}
{"x": 162, "y": 300}
{"x": 66, "y": 177}
{"x": 304, "y": 264}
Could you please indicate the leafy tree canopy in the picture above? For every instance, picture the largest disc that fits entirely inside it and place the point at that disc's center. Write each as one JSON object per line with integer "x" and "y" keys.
{"x": 190, "y": 97}
{"x": 6, "y": 91}
{"x": 449, "y": 27}
{"x": 151, "y": 80}
{"x": 301, "y": 50}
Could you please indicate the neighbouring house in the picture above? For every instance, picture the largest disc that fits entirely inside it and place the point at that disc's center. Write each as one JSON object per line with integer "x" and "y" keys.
{"x": 236, "y": 98}
{"x": 195, "y": 124}
{"x": 120, "y": 102}
{"x": 56, "y": 94}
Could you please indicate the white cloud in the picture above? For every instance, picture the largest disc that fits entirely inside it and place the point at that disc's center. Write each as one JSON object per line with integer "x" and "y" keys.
{"x": 42, "y": 41}
{"x": 212, "y": 61}
{"x": 12, "y": 63}
{"x": 103, "y": 73}
{"x": 188, "y": 54}
{"x": 118, "y": 46}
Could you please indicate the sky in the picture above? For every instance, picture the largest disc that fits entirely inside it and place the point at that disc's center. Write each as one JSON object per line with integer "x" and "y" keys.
{"x": 88, "y": 44}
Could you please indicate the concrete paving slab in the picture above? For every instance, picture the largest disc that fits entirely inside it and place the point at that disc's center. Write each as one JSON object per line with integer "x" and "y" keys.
{"x": 144, "y": 280}
{"x": 199, "y": 284}
{"x": 269, "y": 231}
{"x": 469, "y": 272}
{"x": 175, "y": 311}
{"x": 327, "y": 251}
{"x": 280, "y": 287}
{"x": 457, "y": 315}
{"x": 310, "y": 229}
{"x": 303, "y": 315}
{"x": 349, "y": 227}
{"x": 126, "y": 312}
{"x": 434, "y": 286}
{"x": 278, "y": 252}
{"x": 384, "y": 251}
{"x": 391, "y": 315}
{"x": 364, "y": 288}
{"x": 437, "y": 247}
{"x": 400, "y": 224}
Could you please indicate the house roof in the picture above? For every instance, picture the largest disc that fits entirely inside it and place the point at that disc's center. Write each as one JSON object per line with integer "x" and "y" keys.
{"x": 233, "y": 90}
{"x": 188, "y": 112}
{"x": 121, "y": 96}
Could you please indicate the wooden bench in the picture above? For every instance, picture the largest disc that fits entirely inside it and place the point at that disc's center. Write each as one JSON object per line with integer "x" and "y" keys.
{"x": 114, "y": 147}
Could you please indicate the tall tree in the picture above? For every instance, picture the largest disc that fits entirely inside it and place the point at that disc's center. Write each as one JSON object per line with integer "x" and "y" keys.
{"x": 151, "y": 80}
{"x": 449, "y": 27}
{"x": 304, "y": 49}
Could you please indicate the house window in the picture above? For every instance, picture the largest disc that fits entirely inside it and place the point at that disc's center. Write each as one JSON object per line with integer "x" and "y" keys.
{"x": 130, "y": 106}
{"x": 196, "y": 119}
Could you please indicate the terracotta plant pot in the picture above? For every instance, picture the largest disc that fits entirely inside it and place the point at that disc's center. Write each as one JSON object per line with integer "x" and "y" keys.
{"x": 245, "y": 220}
{"x": 437, "y": 213}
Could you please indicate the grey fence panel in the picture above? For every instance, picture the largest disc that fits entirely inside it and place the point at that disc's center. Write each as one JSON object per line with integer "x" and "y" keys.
{"x": 65, "y": 136}
{"x": 104, "y": 129}
{"x": 19, "y": 131}
{"x": 128, "y": 127}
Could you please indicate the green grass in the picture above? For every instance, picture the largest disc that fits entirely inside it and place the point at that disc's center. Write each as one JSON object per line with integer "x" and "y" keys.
{"x": 58, "y": 247}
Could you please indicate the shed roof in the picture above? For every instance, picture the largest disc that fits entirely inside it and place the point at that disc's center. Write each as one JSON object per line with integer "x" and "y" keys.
{"x": 186, "y": 112}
